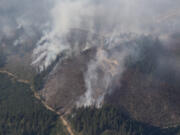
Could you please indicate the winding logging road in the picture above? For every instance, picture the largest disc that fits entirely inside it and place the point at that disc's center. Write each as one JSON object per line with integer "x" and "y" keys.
{"x": 66, "y": 124}
{"x": 36, "y": 95}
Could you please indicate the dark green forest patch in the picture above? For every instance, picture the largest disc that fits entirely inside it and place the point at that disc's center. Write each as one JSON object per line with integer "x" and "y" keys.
{"x": 21, "y": 113}
{"x": 110, "y": 120}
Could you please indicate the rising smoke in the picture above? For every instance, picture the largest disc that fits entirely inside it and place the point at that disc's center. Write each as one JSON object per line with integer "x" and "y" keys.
{"x": 115, "y": 22}
{"x": 107, "y": 19}
{"x": 110, "y": 20}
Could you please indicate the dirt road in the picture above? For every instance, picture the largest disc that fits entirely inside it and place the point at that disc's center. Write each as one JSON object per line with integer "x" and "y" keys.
{"x": 68, "y": 127}
{"x": 36, "y": 95}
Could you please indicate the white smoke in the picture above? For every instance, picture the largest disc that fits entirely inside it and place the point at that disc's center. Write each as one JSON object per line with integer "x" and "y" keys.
{"x": 100, "y": 74}
{"x": 104, "y": 18}
{"x": 107, "y": 19}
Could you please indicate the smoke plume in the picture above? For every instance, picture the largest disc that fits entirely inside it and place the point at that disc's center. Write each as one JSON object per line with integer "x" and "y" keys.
{"x": 116, "y": 22}
{"x": 111, "y": 25}
{"x": 104, "y": 18}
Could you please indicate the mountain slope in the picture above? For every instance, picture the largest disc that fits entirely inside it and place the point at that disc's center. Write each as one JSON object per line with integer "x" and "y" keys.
{"x": 148, "y": 88}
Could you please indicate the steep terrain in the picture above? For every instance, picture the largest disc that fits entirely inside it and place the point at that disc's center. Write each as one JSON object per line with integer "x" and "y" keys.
{"x": 148, "y": 89}
{"x": 65, "y": 84}
{"x": 90, "y": 67}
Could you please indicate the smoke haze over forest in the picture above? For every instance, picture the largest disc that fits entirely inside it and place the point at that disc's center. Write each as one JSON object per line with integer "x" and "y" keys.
{"x": 115, "y": 23}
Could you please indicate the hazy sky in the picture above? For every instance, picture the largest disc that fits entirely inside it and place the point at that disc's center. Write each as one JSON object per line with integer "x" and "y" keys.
{"x": 135, "y": 14}
{"x": 55, "y": 18}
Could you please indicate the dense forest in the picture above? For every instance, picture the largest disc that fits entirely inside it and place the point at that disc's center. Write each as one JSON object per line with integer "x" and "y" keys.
{"x": 110, "y": 120}
{"x": 21, "y": 113}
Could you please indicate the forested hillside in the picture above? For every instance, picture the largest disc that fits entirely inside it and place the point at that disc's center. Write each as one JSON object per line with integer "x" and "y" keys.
{"x": 21, "y": 113}
{"x": 110, "y": 120}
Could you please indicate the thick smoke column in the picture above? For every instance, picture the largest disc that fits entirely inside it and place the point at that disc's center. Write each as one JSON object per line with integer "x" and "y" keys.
{"x": 104, "y": 18}
{"x": 110, "y": 25}
{"x": 111, "y": 20}
{"x": 100, "y": 74}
